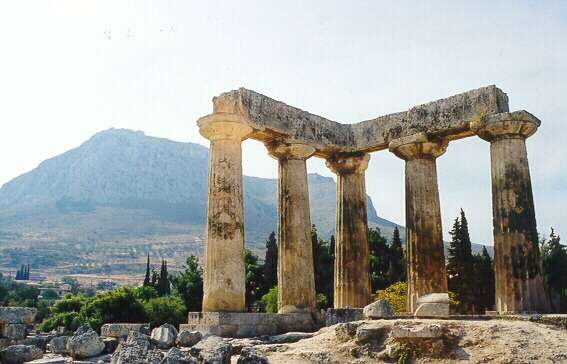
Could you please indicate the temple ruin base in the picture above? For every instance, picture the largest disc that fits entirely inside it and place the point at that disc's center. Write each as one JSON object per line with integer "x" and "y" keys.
{"x": 248, "y": 324}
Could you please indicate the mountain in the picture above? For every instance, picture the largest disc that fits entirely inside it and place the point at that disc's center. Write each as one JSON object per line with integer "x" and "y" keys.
{"x": 123, "y": 184}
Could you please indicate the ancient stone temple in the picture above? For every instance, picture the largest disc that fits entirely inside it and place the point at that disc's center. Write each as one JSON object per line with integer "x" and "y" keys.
{"x": 419, "y": 137}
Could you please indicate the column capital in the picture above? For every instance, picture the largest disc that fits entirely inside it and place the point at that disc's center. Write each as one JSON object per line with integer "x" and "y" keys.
{"x": 348, "y": 163}
{"x": 418, "y": 146}
{"x": 223, "y": 126}
{"x": 289, "y": 150}
{"x": 517, "y": 124}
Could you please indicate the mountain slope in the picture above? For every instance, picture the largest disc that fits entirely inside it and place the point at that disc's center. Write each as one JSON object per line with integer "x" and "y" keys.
{"x": 122, "y": 184}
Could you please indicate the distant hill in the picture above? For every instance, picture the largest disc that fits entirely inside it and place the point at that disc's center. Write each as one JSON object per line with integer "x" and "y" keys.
{"x": 123, "y": 184}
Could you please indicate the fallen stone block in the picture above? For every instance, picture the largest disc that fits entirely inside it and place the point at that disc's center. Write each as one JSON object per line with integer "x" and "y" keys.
{"x": 17, "y": 315}
{"x": 371, "y": 332}
{"x": 433, "y": 305}
{"x": 188, "y": 338}
{"x": 84, "y": 343}
{"x": 407, "y": 331}
{"x": 14, "y": 331}
{"x": 334, "y": 316}
{"x": 212, "y": 349}
{"x": 58, "y": 345}
{"x": 164, "y": 336}
{"x": 378, "y": 310}
{"x": 122, "y": 330}
{"x": 36, "y": 340}
{"x": 176, "y": 356}
{"x": 17, "y": 354}
{"x": 346, "y": 331}
{"x": 290, "y": 337}
{"x": 250, "y": 355}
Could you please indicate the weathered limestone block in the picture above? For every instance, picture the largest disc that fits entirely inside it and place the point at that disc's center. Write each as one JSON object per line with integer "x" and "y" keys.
{"x": 371, "y": 332}
{"x": 401, "y": 330}
{"x": 164, "y": 336}
{"x": 424, "y": 234}
{"x": 188, "y": 338}
{"x": 18, "y": 354}
{"x": 352, "y": 266}
{"x": 14, "y": 331}
{"x": 296, "y": 281}
{"x": 519, "y": 284}
{"x": 224, "y": 275}
{"x": 17, "y": 315}
{"x": 251, "y": 356}
{"x": 176, "y": 356}
{"x": 121, "y": 330}
{"x": 378, "y": 309}
{"x": 339, "y": 315}
{"x": 212, "y": 349}
{"x": 433, "y": 305}
{"x": 84, "y": 343}
{"x": 58, "y": 345}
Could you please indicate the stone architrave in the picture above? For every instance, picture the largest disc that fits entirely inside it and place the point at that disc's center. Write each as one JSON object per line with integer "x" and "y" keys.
{"x": 352, "y": 265}
{"x": 224, "y": 272}
{"x": 296, "y": 281}
{"x": 424, "y": 235}
{"x": 519, "y": 284}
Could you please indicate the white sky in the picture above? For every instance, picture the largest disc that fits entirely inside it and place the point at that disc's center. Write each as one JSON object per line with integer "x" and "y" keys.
{"x": 69, "y": 69}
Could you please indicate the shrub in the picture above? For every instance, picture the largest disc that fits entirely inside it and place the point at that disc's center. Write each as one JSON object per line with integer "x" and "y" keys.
{"x": 70, "y": 320}
{"x": 69, "y": 303}
{"x": 145, "y": 293}
{"x": 168, "y": 309}
{"x": 395, "y": 294}
{"x": 322, "y": 302}
{"x": 271, "y": 299}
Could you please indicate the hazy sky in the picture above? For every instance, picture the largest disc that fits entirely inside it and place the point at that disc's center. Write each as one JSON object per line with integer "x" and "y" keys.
{"x": 69, "y": 69}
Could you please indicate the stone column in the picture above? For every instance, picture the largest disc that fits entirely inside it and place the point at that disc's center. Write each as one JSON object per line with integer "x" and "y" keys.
{"x": 424, "y": 235}
{"x": 352, "y": 257}
{"x": 519, "y": 284}
{"x": 224, "y": 275}
{"x": 296, "y": 281}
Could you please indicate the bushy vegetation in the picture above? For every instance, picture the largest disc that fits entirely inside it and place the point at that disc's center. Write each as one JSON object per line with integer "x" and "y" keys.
{"x": 396, "y": 294}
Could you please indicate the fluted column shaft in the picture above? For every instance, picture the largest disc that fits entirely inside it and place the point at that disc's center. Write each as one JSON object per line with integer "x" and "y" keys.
{"x": 519, "y": 284}
{"x": 296, "y": 280}
{"x": 352, "y": 254}
{"x": 224, "y": 272}
{"x": 424, "y": 235}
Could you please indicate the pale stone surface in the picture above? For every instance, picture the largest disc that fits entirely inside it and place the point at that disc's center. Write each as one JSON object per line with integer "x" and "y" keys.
{"x": 224, "y": 273}
{"x": 120, "y": 330}
{"x": 432, "y": 310}
{"x": 17, "y": 315}
{"x": 84, "y": 343}
{"x": 212, "y": 349}
{"x": 164, "y": 336}
{"x": 378, "y": 309}
{"x": 17, "y": 354}
{"x": 424, "y": 234}
{"x": 14, "y": 331}
{"x": 411, "y": 331}
{"x": 251, "y": 356}
{"x": 352, "y": 278}
{"x": 289, "y": 337}
{"x": 434, "y": 298}
{"x": 519, "y": 284}
{"x": 296, "y": 283}
{"x": 371, "y": 331}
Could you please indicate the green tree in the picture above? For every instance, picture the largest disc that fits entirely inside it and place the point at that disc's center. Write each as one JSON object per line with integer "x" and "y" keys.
{"x": 69, "y": 303}
{"x": 460, "y": 265}
{"x": 163, "y": 285}
{"x": 271, "y": 300}
{"x": 396, "y": 269}
{"x": 323, "y": 264}
{"x": 379, "y": 259}
{"x": 554, "y": 262}
{"x": 189, "y": 284}
{"x": 145, "y": 293}
{"x": 147, "y": 278}
{"x": 254, "y": 278}
{"x": 483, "y": 289}
{"x": 50, "y": 294}
{"x": 73, "y": 283}
{"x": 169, "y": 309}
{"x": 270, "y": 264}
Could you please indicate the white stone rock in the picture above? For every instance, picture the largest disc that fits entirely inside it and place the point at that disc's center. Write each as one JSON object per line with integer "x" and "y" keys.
{"x": 432, "y": 310}
{"x": 17, "y": 315}
{"x": 119, "y": 330}
{"x": 378, "y": 309}
{"x": 407, "y": 331}
{"x": 58, "y": 345}
{"x": 434, "y": 298}
{"x": 84, "y": 343}
{"x": 188, "y": 338}
{"x": 164, "y": 336}
{"x": 17, "y": 354}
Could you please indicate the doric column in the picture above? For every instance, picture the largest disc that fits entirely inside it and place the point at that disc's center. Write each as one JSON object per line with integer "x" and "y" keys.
{"x": 424, "y": 235}
{"x": 352, "y": 258}
{"x": 224, "y": 275}
{"x": 296, "y": 281}
{"x": 519, "y": 284}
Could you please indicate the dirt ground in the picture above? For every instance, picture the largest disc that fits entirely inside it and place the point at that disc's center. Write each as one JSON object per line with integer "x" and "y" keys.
{"x": 492, "y": 341}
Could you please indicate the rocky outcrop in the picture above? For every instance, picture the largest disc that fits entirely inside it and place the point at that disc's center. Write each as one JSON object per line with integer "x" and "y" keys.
{"x": 17, "y": 315}
{"x": 188, "y": 338}
{"x": 58, "y": 345}
{"x": 17, "y": 354}
{"x": 176, "y": 356}
{"x": 251, "y": 356}
{"x": 84, "y": 343}
{"x": 120, "y": 330}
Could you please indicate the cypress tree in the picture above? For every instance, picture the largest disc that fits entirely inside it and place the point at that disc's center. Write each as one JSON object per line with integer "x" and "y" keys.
{"x": 396, "y": 271}
{"x": 484, "y": 289}
{"x": 270, "y": 264}
{"x": 28, "y": 272}
{"x": 379, "y": 259}
{"x": 155, "y": 278}
{"x": 163, "y": 287}
{"x": 555, "y": 271}
{"x": 147, "y": 281}
{"x": 460, "y": 264}
{"x": 19, "y": 274}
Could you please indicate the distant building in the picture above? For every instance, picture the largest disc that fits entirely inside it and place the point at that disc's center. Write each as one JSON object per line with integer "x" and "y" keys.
{"x": 106, "y": 285}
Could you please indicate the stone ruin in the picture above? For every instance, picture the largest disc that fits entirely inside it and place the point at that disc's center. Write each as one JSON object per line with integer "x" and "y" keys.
{"x": 418, "y": 136}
